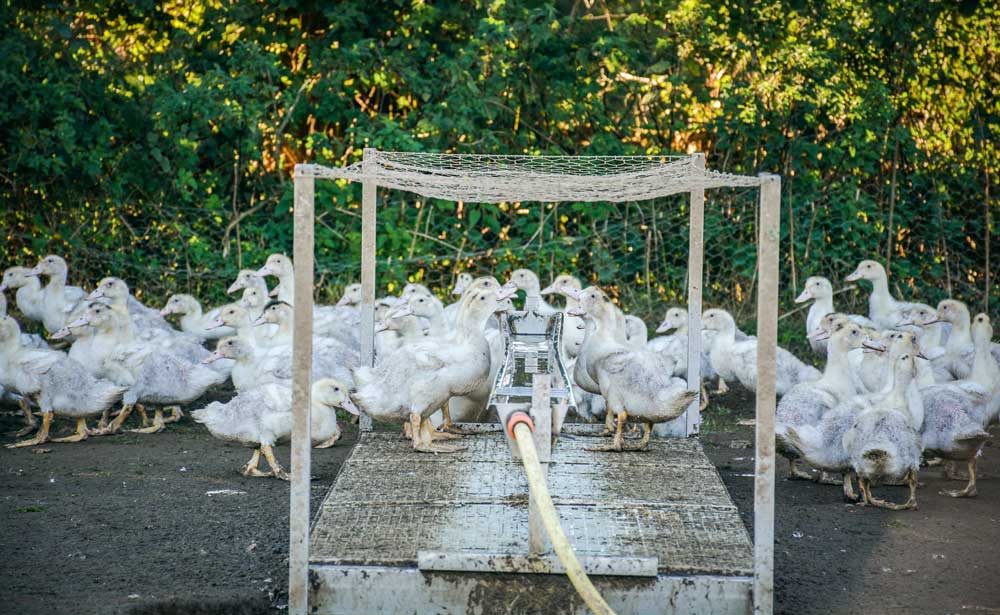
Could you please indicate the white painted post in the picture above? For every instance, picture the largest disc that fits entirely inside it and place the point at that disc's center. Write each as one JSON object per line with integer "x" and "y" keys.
{"x": 369, "y": 191}
{"x": 696, "y": 259}
{"x": 298, "y": 525}
{"x": 769, "y": 230}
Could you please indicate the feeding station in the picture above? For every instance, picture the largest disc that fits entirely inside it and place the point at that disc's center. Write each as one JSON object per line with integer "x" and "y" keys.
{"x": 526, "y": 519}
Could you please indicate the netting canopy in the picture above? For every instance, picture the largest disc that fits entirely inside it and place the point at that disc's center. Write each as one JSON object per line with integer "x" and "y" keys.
{"x": 487, "y": 178}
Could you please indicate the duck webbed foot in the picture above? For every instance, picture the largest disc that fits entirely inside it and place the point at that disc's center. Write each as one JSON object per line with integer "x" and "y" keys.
{"x": 826, "y": 478}
{"x": 723, "y": 388}
{"x": 609, "y": 422}
{"x": 157, "y": 426}
{"x": 849, "y": 494}
{"x": 870, "y": 500}
{"x": 176, "y": 414}
{"x": 330, "y": 441}
{"x": 450, "y": 427}
{"x": 424, "y": 435}
{"x": 618, "y": 444}
{"x": 30, "y": 422}
{"x": 116, "y": 425}
{"x": 970, "y": 488}
{"x": 276, "y": 470}
{"x": 704, "y": 396}
{"x": 250, "y": 469}
{"x": 643, "y": 444}
{"x": 41, "y": 437}
{"x": 795, "y": 471}
{"x": 951, "y": 472}
{"x": 81, "y": 433}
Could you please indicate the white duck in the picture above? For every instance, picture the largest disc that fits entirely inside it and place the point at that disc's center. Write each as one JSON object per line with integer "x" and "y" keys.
{"x": 882, "y": 443}
{"x": 959, "y": 349}
{"x": 330, "y": 357}
{"x": 884, "y": 310}
{"x": 733, "y": 360}
{"x": 262, "y": 417}
{"x": 351, "y": 297}
{"x": 462, "y": 281}
{"x": 193, "y": 321}
{"x": 806, "y": 403}
{"x": 253, "y": 366}
{"x": 60, "y": 303}
{"x": 248, "y": 278}
{"x": 634, "y": 382}
{"x": 29, "y": 340}
{"x": 820, "y": 290}
{"x": 635, "y": 331}
{"x": 28, "y": 291}
{"x": 64, "y": 387}
{"x": 419, "y": 378}
{"x": 153, "y": 375}
{"x": 573, "y": 329}
{"x": 237, "y": 318}
{"x": 526, "y": 280}
{"x": 280, "y": 266}
{"x": 115, "y": 292}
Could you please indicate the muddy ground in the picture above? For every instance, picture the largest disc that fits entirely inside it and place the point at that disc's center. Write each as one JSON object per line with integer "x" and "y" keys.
{"x": 130, "y": 524}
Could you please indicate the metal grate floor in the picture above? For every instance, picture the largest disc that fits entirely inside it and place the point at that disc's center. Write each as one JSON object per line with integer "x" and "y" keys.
{"x": 389, "y": 502}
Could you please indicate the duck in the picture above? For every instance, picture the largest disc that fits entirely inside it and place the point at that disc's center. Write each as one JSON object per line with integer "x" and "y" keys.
{"x": 959, "y": 348}
{"x": 153, "y": 375}
{"x": 330, "y": 357}
{"x": 248, "y": 278}
{"x": 418, "y": 379}
{"x": 820, "y": 291}
{"x": 351, "y": 297}
{"x": 733, "y": 360}
{"x": 952, "y": 431}
{"x": 573, "y": 328}
{"x": 634, "y": 382}
{"x": 115, "y": 292}
{"x": 281, "y": 267}
{"x": 237, "y": 318}
{"x": 28, "y": 291}
{"x": 527, "y": 280}
{"x": 883, "y": 444}
{"x": 883, "y": 309}
{"x": 462, "y": 281}
{"x": 429, "y": 309}
{"x": 252, "y": 365}
{"x": 254, "y": 300}
{"x": 59, "y": 301}
{"x": 63, "y": 386}
{"x": 28, "y": 340}
{"x": 261, "y": 417}
{"x": 806, "y": 403}
{"x": 193, "y": 321}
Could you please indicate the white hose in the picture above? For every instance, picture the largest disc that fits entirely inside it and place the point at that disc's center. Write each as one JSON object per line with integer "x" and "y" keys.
{"x": 547, "y": 511}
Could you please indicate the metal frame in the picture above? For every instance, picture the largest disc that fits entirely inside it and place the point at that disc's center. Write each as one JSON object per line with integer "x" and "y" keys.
{"x": 767, "y": 261}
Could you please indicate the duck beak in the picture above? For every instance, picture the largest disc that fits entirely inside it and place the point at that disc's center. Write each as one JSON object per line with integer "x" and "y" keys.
{"x": 871, "y": 346}
{"x": 381, "y": 326}
{"x": 805, "y": 296}
{"x": 273, "y": 293}
{"x": 35, "y": 272}
{"x": 665, "y": 326}
{"x": 577, "y": 310}
{"x": 235, "y": 286}
{"x": 343, "y": 301}
{"x": 348, "y": 404}
{"x": 264, "y": 271}
{"x": 166, "y": 311}
{"x": 215, "y": 356}
{"x": 506, "y": 291}
{"x": 215, "y": 324}
{"x": 3, "y": 286}
{"x": 76, "y": 324}
{"x": 402, "y": 311}
{"x": 550, "y": 289}
{"x": 60, "y": 334}
{"x": 819, "y": 335}
{"x": 855, "y": 276}
{"x": 260, "y": 320}
{"x": 459, "y": 288}
{"x": 921, "y": 355}
{"x": 96, "y": 294}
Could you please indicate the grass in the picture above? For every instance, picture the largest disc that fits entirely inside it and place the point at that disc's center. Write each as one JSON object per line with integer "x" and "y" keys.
{"x": 31, "y": 509}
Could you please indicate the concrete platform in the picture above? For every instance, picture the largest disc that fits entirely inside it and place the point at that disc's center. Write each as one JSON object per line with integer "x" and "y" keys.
{"x": 389, "y": 503}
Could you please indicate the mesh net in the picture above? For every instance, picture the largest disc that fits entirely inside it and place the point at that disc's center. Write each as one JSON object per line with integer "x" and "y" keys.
{"x": 485, "y": 178}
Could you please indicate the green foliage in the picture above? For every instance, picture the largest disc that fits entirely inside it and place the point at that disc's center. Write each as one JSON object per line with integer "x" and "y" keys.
{"x": 156, "y": 140}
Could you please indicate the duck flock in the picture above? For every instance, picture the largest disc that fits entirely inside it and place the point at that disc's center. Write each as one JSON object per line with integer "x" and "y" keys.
{"x": 906, "y": 384}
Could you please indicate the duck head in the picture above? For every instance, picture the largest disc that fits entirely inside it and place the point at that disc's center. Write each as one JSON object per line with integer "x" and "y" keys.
{"x": 982, "y": 330}
{"x": 111, "y": 288}
{"x": 16, "y": 277}
{"x": 179, "y": 304}
{"x": 561, "y": 283}
{"x": 252, "y": 299}
{"x": 867, "y": 270}
{"x": 52, "y": 266}
{"x": 245, "y": 279}
{"x": 231, "y": 315}
{"x": 953, "y": 311}
{"x": 333, "y": 393}
{"x": 277, "y": 265}
{"x": 230, "y": 348}
{"x": 817, "y": 287}
{"x": 351, "y": 296}
{"x": 462, "y": 282}
{"x": 276, "y": 313}
{"x": 718, "y": 320}
{"x": 526, "y": 280}
{"x": 675, "y": 318}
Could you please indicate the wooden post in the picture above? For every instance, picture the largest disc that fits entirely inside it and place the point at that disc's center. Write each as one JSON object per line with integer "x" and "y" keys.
{"x": 541, "y": 414}
{"x": 298, "y": 524}
{"x": 767, "y": 350}
{"x": 696, "y": 259}
{"x": 368, "y": 201}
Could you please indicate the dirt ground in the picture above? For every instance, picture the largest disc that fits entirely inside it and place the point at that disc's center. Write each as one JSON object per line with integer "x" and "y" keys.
{"x": 164, "y": 524}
